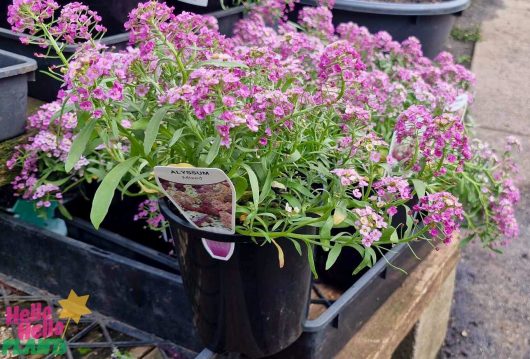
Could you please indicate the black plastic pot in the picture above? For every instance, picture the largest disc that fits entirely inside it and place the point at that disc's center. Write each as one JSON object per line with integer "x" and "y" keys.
{"x": 45, "y": 88}
{"x": 430, "y": 22}
{"x": 340, "y": 275}
{"x": 15, "y": 72}
{"x": 324, "y": 337}
{"x": 246, "y": 304}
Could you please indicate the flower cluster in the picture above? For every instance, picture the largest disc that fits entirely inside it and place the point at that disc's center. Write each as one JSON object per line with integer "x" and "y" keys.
{"x": 149, "y": 211}
{"x": 25, "y": 15}
{"x": 77, "y": 22}
{"x": 391, "y": 189}
{"x": 317, "y": 21}
{"x": 423, "y": 141}
{"x": 443, "y": 215}
{"x": 39, "y": 157}
{"x": 369, "y": 225}
{"x": 349, "y": 177}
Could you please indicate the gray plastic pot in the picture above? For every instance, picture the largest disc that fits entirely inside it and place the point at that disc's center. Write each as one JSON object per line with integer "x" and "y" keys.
{"x": 431, "y": 23}
{"x": 15, "y": 72}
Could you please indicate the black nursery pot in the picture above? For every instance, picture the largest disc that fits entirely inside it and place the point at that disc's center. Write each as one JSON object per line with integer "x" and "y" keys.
{"x": 340, "y": 274}
{"x": 430, "y": 22}
{"x": 247, "y": 304}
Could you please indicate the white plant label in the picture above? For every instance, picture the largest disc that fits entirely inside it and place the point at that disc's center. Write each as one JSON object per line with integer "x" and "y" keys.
{"x": 206, "y": 198}
{"x": 459, "y": 107}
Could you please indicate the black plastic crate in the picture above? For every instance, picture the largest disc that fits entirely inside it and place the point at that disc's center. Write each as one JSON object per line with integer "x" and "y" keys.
{"x": 142, "y": 287}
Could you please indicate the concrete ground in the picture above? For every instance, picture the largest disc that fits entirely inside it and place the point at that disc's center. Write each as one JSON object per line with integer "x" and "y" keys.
{"x": 491, "y": 307}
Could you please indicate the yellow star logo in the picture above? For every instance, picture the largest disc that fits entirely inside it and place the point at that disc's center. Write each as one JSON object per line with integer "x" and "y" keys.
{"x": 74, "y": 307}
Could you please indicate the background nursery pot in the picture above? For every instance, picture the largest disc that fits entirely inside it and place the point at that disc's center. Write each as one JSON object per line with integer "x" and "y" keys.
{"x": 246, "y": 304}
{"x": 430, "y": 22}
{"x": 15, "y": 72}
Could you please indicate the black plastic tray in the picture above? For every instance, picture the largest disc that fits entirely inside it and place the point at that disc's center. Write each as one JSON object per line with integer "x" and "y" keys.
{"x": 45, "y": 88}
{"x": 141, "y": 286}
{"x": 138, "y": 294}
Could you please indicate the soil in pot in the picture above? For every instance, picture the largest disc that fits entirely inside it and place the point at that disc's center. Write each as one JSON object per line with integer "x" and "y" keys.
{"x": 246, "y": 304}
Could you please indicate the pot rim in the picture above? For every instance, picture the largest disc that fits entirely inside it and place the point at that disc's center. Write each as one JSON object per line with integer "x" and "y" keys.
{"x": 442, "y": 7}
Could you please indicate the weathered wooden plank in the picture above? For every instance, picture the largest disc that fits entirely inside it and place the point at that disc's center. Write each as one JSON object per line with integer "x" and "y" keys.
{"x": 380, "y": 336}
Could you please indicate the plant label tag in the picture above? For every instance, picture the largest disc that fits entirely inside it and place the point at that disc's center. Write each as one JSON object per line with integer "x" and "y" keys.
{"x": 459, "y": 107}
{"x": 206, "y": 198}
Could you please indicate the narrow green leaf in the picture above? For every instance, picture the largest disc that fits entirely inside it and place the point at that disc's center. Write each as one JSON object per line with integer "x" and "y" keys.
{"x": 293, "y": 157}
{"x": 365, "y": 263}
{"x": 394, "y": 237}
{"x": 105, "y": 191}
{"x": 325, "y": 232}
{"x": 176, "y": 136}
{"x": 420, "y": 187}
{"x": 340, "y": 213}
{"x": 214, "y": 150}
{"x": 333, "y": 255}
{"x": 78, "y": 146}
{"x": 64, "y": 212}
{"x": 297, "y": 246}
{"x": 254, "y": 184}
{"x": 387, "y": 233}
{"x": 151, "y": 131}
{"x": 240, "y": 185}
{"x": 266, "y": 187}
{"x": 311, "y": 258}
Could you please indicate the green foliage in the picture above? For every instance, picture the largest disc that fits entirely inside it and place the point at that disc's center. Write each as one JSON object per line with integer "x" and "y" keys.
{"x": 466, "y": 35}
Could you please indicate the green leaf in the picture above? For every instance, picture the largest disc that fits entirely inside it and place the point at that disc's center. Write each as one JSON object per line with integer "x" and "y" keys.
{"x": 365, "y": 263}
{"x": 293, "y": 201}
{"x": 212, "y": 153}
{"x": 78, "y": 146}
{"x": 387, "y": 233}
{"x": 151, "y": 131}
{"x": 333, "y": 255}
{"x": 293, "y": 157}
{"x": 325, "y": 232}
{"x": 340, "y": 213}
{"x": 64, "y": 211}
{"x": 420, "y": 187}
{"x": 254, "y": 184}
{"x": 266, "y": 188}
{"x": 176, "y": 136}
{"x": 296, "y": 246}
{"x": 240, "y": 185}
{"x": 394, "y": 237}
{"x": 311, "y": 259}
{"x": 105, "y": 191}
